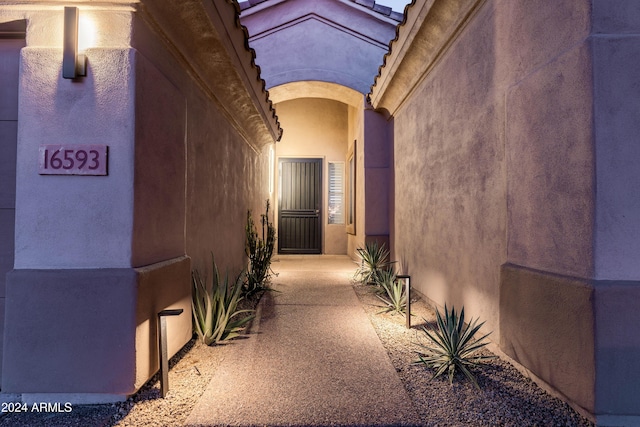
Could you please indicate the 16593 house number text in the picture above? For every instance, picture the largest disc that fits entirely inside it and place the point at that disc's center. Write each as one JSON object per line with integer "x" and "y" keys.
{"x": 73, "y": 160}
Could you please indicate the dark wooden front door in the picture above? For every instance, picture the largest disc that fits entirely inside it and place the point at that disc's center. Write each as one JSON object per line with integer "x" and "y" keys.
{"x": 299, "y": 206}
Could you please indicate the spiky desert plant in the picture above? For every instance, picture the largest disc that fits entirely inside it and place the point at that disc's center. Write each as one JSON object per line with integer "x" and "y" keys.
{"x": 259, "y": 250}
{"x": 373, "y": 260}
{"x": 453, "y": 346}
{"x": 214, "y": 306}
{"x": 393, "y": 295}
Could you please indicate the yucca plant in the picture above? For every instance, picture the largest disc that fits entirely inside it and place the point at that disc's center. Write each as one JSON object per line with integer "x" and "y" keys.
{"x": 214, "y": 306}
{"x": 453, "y": 346}
{"x": 393, "y": 295}
{"x": 373, "y": 260}
{"x": 259, "y": 250}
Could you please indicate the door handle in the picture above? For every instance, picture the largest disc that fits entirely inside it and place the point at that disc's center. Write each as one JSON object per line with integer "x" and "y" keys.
{"x": 317, "y": 211}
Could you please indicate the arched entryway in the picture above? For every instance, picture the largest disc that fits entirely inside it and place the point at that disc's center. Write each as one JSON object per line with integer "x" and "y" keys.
{"x": 312, "y": 192}
{"x": 318, "y": 60}
{"x": 334, "y": 123}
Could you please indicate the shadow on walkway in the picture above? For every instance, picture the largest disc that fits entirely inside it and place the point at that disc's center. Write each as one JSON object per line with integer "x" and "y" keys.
{"x": 313, "y": 358}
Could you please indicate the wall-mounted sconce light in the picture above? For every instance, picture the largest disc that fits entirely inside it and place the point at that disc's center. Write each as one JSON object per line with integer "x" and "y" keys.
{"x": 73, "y": 63}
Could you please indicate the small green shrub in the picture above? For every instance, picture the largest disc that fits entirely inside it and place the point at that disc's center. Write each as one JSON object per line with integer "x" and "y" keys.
{"x": 259, "y": 250}
{"x": 393, "y": 295}
{"x": 373, "y": 260}
{"x": 453, "y": 346}
{"x": 214, "y": 307}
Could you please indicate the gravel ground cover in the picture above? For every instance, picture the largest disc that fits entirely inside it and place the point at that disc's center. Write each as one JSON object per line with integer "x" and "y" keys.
{"x": 190, "y": 372}
{"x": 506, "y": 398}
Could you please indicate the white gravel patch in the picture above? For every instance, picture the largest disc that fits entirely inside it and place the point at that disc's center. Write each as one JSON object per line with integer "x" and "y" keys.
{"x": 506, "y": 397}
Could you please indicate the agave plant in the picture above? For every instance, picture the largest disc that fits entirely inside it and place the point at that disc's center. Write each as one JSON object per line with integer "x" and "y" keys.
{"x": 453, "y": 346}
{"x": 394, "y": 295}
{"x": 373, "y": 260}
{"x": 214, "y": 307}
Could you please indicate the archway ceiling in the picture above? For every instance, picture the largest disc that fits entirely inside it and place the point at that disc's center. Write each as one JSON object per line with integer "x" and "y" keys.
{"x": 316, "y": 89}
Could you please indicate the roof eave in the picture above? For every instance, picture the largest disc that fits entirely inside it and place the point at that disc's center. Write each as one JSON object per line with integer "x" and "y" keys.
{"x": 425, "y": 34}
{"x": 207, "y": 38}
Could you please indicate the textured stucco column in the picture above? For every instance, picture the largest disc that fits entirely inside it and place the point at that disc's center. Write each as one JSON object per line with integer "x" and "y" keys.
{"x": 546, "y": 312}
{"x": 75, "y": 221}
{"x": 570, "y": 292}
{"x": 9, "y": 70}
{"x": 377, "y": 174}
{"x": 71, "y": 297}
{"x": 80, "y": 318}
{"x": 616, "y": 47}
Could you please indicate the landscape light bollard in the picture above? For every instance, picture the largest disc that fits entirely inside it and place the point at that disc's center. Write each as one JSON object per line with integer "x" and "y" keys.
{"x": 407, "y": 283}
{"x": 162, "y": 340}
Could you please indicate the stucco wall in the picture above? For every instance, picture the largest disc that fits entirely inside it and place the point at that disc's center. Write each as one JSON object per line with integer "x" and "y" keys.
{"x": 196, "y": 177}
{"x": 574, "y": 115}
{"x": 160, "y": 160}
{"x": 225, "y": 176}
{"x": 509, "y": 94}
{"x": 182, "y": 173}
{"x": 97, "y": 111}
{"x": 450, "y": 188}
{"x": 493, "y": 164}
{"x": 514, "y": 151}
{"x": 315, "y": 127}
{"x": 549, "y": 137}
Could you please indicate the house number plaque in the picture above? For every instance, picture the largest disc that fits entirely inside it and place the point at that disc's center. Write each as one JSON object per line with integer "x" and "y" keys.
{"x": 73, "y": 160}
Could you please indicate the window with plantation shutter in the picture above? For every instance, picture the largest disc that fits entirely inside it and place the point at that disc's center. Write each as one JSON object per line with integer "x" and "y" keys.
{"x": 336, "y": 192}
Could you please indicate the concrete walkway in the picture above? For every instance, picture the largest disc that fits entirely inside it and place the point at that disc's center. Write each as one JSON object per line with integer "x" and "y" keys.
{"x": 312, "y": 358}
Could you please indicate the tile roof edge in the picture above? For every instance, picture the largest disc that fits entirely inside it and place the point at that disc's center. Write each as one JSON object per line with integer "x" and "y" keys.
{"x": 263, "y": 84}
{"x": 391, "y": 43}
{"x": 380, "y": 8}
